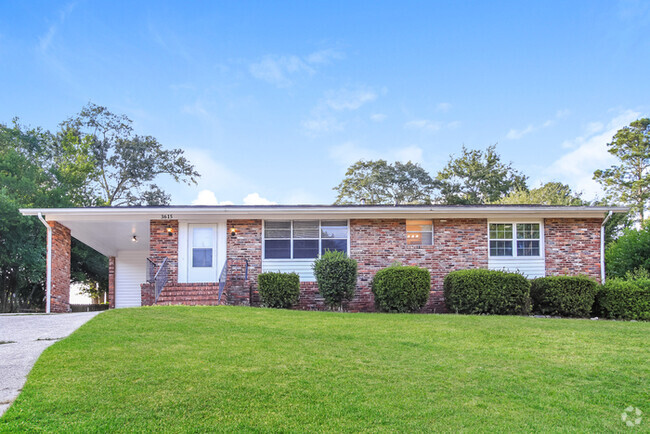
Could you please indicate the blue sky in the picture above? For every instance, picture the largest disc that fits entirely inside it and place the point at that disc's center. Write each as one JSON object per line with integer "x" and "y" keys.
{"x": 273, "y": 100}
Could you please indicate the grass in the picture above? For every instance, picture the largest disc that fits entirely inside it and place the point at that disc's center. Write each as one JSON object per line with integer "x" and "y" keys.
{"x": 245, "y": 369}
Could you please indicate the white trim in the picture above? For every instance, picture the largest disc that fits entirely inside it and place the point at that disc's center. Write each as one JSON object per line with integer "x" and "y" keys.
{"x": 514, "y": 240}
{"x": 320, "y": 239}
{"x": 48, "y": 270}
{"x": 182, "y": 251}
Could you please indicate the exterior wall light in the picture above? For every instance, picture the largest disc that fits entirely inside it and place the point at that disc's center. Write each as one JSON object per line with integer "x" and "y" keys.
{"x": 134, "y": 239}
{"x": 170, "y": 230}
{"x": 233, "y": 232}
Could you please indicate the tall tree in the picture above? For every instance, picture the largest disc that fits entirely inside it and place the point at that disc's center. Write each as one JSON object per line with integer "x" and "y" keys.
{"x": 551, "y": 193}
{"x": 379, "y": 182}
{"x": 629, "y": 181}
{"x": 126, "y": 164}
{"x": 478, "y": 177}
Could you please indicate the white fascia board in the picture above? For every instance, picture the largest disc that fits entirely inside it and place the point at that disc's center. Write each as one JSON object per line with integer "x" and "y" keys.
{"x": 243, "y": 212}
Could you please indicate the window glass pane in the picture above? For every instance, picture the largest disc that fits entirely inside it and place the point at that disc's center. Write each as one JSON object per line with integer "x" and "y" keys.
{"x": 332, "y": 245}
{"x": 419, "y": 238}
{"x": 202, "y": 237}
{"x": 419, "y": 225}
{"x": 500, "y": 248}
{"x": 305, "y": 249}
{"x": 277, "y": 249}
{"x": 527, "y": 248}
{"x": 305, "y": 229}
{"x": 528, "y": 231}
{"x": 500, "y": 231}
{"x": 334, "y": 229}
{"x": 201, "y": 257}
{"x": 274, "y": 229}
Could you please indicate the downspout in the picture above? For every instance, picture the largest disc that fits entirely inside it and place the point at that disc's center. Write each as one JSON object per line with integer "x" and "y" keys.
{"x": 602, "y": 248}
{"x": 48, "y": 268}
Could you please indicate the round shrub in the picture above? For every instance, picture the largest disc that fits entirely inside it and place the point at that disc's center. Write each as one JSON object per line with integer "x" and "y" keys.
{"x": 481, "y": 291}
{"x": 336, "y": 275}
{"x": 401, "y": 288}
{"x": 563, "y": 295}
{"x": 279, "y": 290}
{"x": 624, "y": 299}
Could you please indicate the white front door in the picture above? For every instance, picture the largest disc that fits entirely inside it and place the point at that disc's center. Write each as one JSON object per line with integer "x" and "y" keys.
{"x": 202, "y": 254}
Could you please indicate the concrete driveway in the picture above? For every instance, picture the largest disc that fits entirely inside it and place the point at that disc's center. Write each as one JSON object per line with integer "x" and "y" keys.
{"x": 22, "y": 339}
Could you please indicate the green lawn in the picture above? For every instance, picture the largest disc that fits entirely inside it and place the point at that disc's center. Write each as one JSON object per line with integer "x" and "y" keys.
{"x": 233, "y": 368}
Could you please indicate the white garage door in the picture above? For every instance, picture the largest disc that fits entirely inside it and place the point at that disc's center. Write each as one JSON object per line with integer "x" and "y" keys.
{"x": 130, "y": 272}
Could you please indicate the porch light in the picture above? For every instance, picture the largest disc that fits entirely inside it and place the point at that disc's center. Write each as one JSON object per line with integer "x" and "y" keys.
{"x": 170, "y": 230}
{"x": 233, "y": 232}
{"x": 134, "y": 239}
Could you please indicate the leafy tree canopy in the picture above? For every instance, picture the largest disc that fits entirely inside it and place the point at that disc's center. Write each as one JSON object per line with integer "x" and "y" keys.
{"x": 125, "y": 163}
{"x": 551, "y": 193}
{"x": 379, "y": 182}
{"x": 631, "y": 251}
{"x": 629, "y": 181}
{"x": 478, "y": 177}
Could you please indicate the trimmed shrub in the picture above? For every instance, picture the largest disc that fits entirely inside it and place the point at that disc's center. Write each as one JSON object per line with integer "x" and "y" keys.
{"x": 563, "y": 295}
{"x": 624, "y": 299}
{"x": 400, "y": 288}
{"x": 336, "y": 275}
{"x": 279, "y": 290}
{"x": 481, "y": 291}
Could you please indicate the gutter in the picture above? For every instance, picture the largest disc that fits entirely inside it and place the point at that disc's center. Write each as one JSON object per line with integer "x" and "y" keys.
{"x": 602, "y": 248}
{"x": 48, "y": 267}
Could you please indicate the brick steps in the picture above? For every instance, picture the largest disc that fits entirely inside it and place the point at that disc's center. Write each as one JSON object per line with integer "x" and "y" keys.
{"x": 190, "y": 295}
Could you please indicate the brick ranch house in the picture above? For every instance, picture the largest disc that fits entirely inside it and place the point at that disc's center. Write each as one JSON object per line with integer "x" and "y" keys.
{"x": 213, "y": 254}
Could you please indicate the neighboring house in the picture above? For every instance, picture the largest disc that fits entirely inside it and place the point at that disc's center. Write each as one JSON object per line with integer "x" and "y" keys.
{"x": 191, "y": 248}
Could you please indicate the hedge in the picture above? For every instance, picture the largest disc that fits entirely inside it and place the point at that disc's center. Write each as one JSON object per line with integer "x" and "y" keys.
{"x": 563, "y": 295}
{"x": 336, "y": 275}
{"x": 624, "y": 299}
{"x": 401, "y": 288}
{"x": 279, "y": 290}
{"x": 482, "y": 291}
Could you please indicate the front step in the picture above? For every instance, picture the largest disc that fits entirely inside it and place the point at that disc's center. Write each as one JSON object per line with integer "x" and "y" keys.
{"x": 190, "y": 295}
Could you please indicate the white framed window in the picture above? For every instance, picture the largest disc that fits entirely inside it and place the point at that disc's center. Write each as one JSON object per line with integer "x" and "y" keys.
{"x": 304, "y": 239}
{"x": 515, "y": 240}
{"x": 419, "y": 232}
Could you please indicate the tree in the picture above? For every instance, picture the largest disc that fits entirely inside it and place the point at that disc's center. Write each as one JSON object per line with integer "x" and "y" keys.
{"x": 631, "y": 251}
{"x": 551, "y": 193}
{"x": 126, "y": 164}
{"x": 379, "y": 182}
{"x": 629, "y": 181}
{"x": 478, "y": 177}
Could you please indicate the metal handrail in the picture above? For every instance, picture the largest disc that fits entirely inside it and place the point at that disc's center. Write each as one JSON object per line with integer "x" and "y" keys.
{"x": 151, "y": 266}
{"x": 160, "y": 278}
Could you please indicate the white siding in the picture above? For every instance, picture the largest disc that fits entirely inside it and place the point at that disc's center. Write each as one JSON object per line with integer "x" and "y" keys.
{"x": 130, "y": 272}
{"x": 531, "y": 268}
{"x": 300, "y": 266}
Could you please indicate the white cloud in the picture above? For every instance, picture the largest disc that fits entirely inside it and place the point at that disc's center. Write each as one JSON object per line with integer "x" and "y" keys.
{"x": 349, "y": 153}
{"x": 518, "y": 134}
{"x": 349, "y": 99}
{"x": 207, "y": 197}
{"x": 321, "y": 125}
{"x": 45, "y": 41}
{"x": 423, "y": 124}
{"x": 281, "y": 71}
{"x": 256, "y": 199}
{"x": 378, "y": 117}
{"x": 443, "y": 107}
{"x": 515, "y": 134}
{"x": 589, "y": 153}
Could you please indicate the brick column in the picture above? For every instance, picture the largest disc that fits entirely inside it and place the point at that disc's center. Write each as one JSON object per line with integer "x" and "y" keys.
{"x": 60, "y": 293}
{"x": 111, "y": 282}
{"x": 163, "y": 245}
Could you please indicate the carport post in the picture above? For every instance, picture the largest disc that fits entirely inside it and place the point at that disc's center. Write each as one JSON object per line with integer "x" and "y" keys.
{"x": 48, "y": 267}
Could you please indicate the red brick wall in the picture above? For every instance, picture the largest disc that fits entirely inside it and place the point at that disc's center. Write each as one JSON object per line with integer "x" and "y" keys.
{"x": 111, "y": 282}
{"x": 245, "y": 245}
{"x": 147, "y": 294}
{"x": 377, "y": 243}
{"x": 572, "y": 247}
{"x": 162, "y": 245}
{"x": 60, "y": 295}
